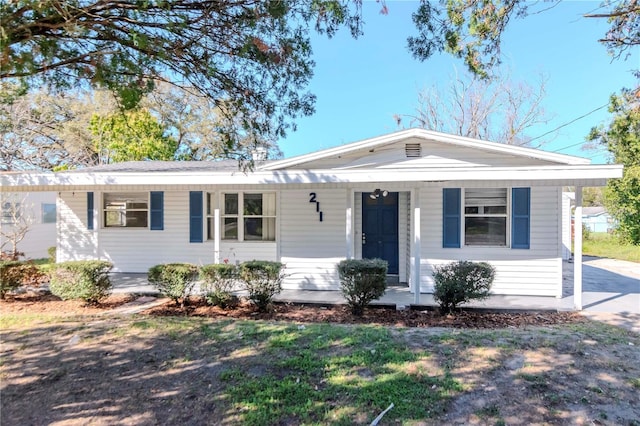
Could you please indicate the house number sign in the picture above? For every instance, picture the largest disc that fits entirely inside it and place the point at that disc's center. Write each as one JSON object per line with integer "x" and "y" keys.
{"x": 312, "y": 199}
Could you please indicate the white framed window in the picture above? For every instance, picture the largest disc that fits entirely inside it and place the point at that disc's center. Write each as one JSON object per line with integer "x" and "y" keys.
{"x": 125, "y": 209}
{"x": 48, "y": 213}
{"x": 485, "y": 216}
{"x": 248, "y": 216}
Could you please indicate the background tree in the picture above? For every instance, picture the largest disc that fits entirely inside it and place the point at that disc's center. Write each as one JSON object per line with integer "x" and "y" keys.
{"x": 489, "y": 109}
{"x": 593, "y": 196}
{"x": 15, "y": 222}
{"x": 132, "y": 135}
{"x": 45, "y": 131}
{"x": 52, "y": 131}
{"x": 472, "y": 30}
{"x": 252, "y": 56}
{"x": 622, "y": 139}
{"x": 197, "y": 124}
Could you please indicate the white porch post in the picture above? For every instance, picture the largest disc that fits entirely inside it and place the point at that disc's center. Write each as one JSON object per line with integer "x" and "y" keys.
{"x": 415, "y": 266}
{"x": 216, "y": 233}
{"x": 577, "y": 252}
{"x": 349, "y": 223}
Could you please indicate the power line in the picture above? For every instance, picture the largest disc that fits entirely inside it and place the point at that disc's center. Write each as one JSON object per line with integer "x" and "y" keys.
{"x": 568, "y": 123}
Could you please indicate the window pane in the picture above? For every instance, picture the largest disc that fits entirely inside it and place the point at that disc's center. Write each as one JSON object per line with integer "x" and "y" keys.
{"x": 114, "y": 218}
{"x": 136, "y": 219}
{"x": 211, "y": 228}
{"x": 253, "y": 204}
{"x": 485, "y": 231}
{"x": 260, "y": 229}
{"x": 48, "y": 213}
{"x": 230, "y": 203}
{"x": 230, "y": 228}
{"x": 495, "y": 209}
{"x": 253, "y": 229}
{"x": 485, "y": 197}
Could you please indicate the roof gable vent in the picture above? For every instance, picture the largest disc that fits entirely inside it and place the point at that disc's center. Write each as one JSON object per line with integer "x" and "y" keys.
{"x": 413, "y": 150}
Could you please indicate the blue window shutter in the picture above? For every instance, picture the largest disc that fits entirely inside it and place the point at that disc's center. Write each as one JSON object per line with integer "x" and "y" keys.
{"x": 89, "y": 210}
{"x": 451, "y": 217}
{"x": 520, "y": 218}
{"x": 195, "y": 216}
{"x": 157, "y": 210}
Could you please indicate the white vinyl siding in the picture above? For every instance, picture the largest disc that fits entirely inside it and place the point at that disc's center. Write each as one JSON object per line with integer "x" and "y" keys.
{"x": 434, "y": 155}
{"x": 311, "y": 249}
{"x": 536, "y": 271}
{"x": 136, "y": 250}
{"x": 41, "y": 234}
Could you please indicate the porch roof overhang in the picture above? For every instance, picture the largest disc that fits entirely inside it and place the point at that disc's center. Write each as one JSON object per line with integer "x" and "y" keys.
{"x": 583, "y": 175}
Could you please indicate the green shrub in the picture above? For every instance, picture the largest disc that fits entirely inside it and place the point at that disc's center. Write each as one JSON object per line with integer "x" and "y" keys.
{"x": 11, "y": 273}
{"x": 362, "y": 281}
{"x": 174, "y": 280}
{"x": 460, "y": 282}
{"x": 218, "y": 282}
{"x": 87, "y": 280}
{"x": 52, "y": 254}
{"x": 263, "y": 280}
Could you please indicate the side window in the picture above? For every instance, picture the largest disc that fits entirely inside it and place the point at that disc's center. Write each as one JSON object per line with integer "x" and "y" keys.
{"x": 249, "y": 216}
{"x": 259, "y": 216}
{"x": 125, "y": 209}
{"x": 48, "y": 213}
{"x": 485, "y": 217}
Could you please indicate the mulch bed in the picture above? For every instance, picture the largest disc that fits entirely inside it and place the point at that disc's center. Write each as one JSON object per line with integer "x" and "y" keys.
{"x": 36, "y": 303}
{"x": 340, "y": 314}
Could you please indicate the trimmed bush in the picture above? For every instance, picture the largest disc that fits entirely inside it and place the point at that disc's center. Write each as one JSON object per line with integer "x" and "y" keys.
{"x": 11, "y": 272}
{"x": 462, "y": 281}
{"x": 362, "y": 281}
{"x": 218, "y": 281}
{"x": 263, "y": 280}
{"x": 51, "y": 251}
{"x": 87, "y": 280}
{"x": 174, "y": 280}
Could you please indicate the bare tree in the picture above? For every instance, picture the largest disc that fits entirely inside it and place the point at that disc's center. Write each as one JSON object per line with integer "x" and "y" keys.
{"x": 15, "y": 222}
{"x": 500, "y": 111}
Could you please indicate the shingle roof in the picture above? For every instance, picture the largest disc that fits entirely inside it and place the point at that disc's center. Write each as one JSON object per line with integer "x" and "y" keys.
{"x": 593, "y": 211}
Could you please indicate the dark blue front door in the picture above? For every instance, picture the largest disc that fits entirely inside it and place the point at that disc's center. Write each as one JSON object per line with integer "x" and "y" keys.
{"x": 380, "y": 229}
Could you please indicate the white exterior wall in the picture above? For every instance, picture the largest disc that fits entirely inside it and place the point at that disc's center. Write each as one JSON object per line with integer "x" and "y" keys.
{"x": 40, "y": 236}
{"x": 311, "y": 249}
{"x": 136, "y": 250}
{"x": 536, "y": 271}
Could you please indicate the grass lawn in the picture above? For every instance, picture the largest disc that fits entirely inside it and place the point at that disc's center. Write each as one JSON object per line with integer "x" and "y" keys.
{"x": 605, "y": 245}
{"x": 180, "y": 370}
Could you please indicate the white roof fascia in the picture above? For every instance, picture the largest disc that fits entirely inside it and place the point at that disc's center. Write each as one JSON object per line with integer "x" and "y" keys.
{"x": 427, "y": 135}
{"x": 60, "y": 181}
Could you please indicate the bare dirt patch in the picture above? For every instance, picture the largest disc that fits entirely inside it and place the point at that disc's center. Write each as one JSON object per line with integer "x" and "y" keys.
{"x": 178, "y": 366}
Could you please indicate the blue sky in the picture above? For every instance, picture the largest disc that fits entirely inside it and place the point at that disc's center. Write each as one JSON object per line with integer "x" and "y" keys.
{"x": 360, "y": 84}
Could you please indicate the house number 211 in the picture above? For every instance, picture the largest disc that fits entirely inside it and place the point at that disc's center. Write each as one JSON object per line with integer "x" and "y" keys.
{"x": 312, "y": 199}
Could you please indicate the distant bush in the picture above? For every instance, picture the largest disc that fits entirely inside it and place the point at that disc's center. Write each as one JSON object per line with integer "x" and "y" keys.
{"x": 218, "y": 282}
{"x": 263, "y": 280}
{"x": 11, "y": 272}
{"x": 51, "y": 251}
{"x": 86, "y": 280}
{"x": 174, "y": 280}
{"x": 362, "y": 281}
{"x": 460, "y": 282}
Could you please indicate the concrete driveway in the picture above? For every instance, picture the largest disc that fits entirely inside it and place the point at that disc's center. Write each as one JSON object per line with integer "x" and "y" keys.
{"x": 610, "y": 290}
